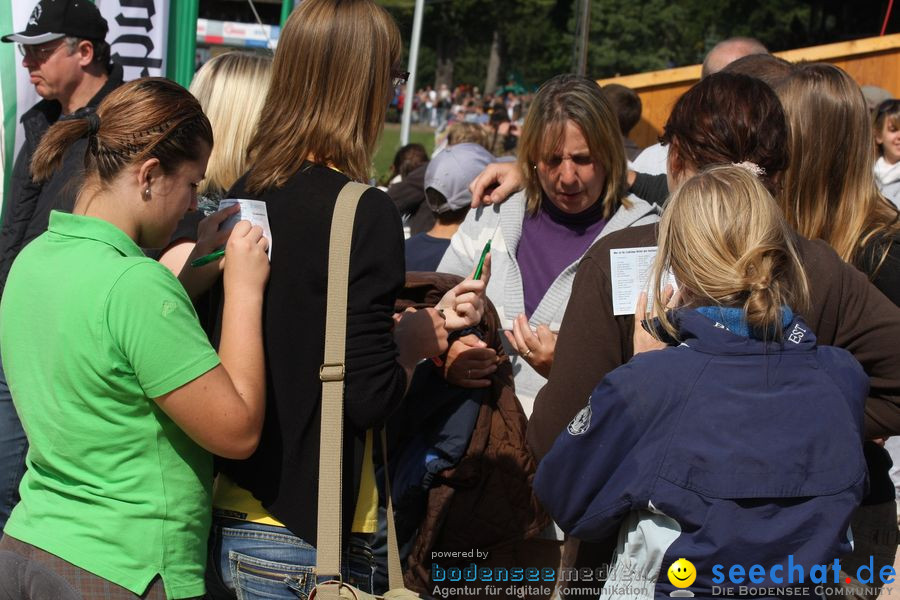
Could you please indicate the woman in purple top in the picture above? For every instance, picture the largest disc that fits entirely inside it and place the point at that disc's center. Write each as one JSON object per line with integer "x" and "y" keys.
{"x": 573, "y": 162}
{"x": 575, "y": 192}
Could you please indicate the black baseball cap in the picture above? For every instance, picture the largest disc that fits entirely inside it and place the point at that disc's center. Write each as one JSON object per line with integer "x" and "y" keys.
{"x": 54, "y": 19}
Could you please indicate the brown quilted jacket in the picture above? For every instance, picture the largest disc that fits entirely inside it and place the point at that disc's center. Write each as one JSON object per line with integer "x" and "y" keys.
{"x": 486, "y": 501}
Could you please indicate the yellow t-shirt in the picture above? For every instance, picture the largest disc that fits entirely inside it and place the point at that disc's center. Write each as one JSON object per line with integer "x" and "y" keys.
{"x": 232, "y": 501}
{"x": 365, "y": 519}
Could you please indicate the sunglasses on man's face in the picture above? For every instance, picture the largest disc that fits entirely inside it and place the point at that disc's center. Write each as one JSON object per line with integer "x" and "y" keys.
{"x": 39, "y": 53}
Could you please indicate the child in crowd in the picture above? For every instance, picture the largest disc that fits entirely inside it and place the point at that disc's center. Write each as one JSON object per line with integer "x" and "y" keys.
{"x": 741, "y": 442}
{"x": 628, "y": 107}
{"x": 887, "y": 136}
{"x": 407, "y": 159}
{"x": 447, "y": 194}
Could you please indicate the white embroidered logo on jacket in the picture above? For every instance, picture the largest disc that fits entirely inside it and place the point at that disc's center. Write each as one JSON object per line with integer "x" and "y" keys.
{"x": 581, "y": 422}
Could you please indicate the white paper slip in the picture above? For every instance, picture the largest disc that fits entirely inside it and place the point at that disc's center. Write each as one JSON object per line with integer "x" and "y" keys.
{"x": 253, "y": 211}
{"x": 506, "y": 323}
{"x": 630, "y": 269}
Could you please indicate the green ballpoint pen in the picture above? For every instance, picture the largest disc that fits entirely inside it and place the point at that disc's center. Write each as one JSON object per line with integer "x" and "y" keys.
{"x": 205, "y": 260}
{"x": 484, "y": 253}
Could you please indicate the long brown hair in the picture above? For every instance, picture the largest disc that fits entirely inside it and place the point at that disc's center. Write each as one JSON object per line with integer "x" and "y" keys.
{"x": 723, "y": 237}
{"x": 829, "y": 188}
{"x": 142, "y": 119}
{"x": 580, "y": 100}
{"x": 331, "y": 84}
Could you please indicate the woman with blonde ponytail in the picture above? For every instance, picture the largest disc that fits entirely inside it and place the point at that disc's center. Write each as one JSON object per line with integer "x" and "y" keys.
{"x": 724, "y": 240}
{"x": 739, "y": 443}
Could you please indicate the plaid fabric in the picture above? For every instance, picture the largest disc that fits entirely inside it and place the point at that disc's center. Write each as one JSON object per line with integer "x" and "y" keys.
{"x": 29, "y": 573}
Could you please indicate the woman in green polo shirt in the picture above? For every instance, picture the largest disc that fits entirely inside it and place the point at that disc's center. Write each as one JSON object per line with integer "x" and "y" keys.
{"x": 121, "y": 395}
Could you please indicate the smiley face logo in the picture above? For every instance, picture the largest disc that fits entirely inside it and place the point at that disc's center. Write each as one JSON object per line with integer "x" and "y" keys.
{"x": 682, "y": 573}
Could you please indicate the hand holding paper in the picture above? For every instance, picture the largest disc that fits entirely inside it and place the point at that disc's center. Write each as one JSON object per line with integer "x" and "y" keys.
{"x": 252, "y": 211}
{"x": 629, "y": 273}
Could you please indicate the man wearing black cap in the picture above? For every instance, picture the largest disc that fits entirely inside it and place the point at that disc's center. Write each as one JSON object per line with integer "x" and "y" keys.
{"x": 64, "y": 49}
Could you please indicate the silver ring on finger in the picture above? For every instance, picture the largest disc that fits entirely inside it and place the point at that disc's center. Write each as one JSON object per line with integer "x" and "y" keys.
{"x": 468, "y": 373}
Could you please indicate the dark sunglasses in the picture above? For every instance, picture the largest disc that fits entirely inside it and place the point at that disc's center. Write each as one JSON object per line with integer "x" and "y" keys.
{"x": 398, "y": 78}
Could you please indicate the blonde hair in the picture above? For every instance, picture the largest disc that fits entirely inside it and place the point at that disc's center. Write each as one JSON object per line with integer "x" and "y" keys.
{"x": 231, "y": 88}
{"x": 829, "y": 189}
{"x": 723, "y": 237}
{"x": 472, "y": 133}
{"x": 580, "y": 100}
{"x": 331, "y": 84}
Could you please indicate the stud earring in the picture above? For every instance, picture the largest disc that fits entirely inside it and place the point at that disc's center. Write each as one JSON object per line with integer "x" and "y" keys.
{"x": 147, "y": 193}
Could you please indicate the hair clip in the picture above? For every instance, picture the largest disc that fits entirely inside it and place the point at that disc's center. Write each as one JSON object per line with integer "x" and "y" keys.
{"x": 751, "y": 167}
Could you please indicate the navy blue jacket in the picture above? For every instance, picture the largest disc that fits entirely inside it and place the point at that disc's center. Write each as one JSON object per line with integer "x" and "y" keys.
{"x": 723, "y": 450}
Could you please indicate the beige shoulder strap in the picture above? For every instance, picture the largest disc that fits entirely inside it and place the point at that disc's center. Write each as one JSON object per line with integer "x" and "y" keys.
{"x": 332, "y": 371}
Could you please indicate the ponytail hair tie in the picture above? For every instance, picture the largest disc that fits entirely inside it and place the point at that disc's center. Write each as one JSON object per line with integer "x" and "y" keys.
{"x": 752, "y": 167}
{"x": 93, "y": 123}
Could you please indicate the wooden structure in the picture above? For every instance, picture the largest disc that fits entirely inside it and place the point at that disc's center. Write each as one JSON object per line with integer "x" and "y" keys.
{"x": 871, "y": 61}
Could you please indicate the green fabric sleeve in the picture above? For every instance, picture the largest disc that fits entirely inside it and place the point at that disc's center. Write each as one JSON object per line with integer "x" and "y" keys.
{"x": 151, "y": 320}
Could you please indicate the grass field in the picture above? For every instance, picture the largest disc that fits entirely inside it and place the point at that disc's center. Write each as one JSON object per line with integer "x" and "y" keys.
{"x": 390, "y": 143}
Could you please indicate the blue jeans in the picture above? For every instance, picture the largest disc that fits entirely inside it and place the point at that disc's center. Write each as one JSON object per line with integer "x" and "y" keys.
{"x": 249, "y": 561}
{"x": 13, "y": 447}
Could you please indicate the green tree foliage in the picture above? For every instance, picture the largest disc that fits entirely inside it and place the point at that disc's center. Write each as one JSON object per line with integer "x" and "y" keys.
{"x": 632, "y": 37}
{"x": 535, "y": 37}
{"x": 538, "y": 39}
{"x": 625, "y": 36}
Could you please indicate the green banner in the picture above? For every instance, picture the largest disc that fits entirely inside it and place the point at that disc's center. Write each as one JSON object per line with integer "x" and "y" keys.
{"x": 182, "y": 40}
{"x": 286, "y": 7}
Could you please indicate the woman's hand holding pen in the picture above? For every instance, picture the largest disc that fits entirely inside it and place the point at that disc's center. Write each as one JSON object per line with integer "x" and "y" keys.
{"x": 209, "y": 238}
{"x": 463, "y": 305}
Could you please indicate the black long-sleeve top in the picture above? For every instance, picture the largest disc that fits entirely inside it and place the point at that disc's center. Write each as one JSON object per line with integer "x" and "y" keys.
{"x": 652, "y": 188}
{"x": 283, "y": 473}
{"x": 880, "y": 260}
